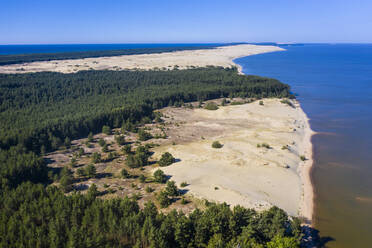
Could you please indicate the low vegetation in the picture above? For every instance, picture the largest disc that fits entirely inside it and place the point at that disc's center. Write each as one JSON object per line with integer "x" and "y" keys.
{"x": 211, "y": 106}
{"x": 216, "y": 144}
{"x": 166, "y": 159}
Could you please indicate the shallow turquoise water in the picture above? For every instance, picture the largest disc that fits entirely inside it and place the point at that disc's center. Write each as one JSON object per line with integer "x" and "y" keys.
{"x": 334, "y": 86}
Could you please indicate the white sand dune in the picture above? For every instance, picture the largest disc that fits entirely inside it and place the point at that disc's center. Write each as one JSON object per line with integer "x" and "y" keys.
{"x": 220, "y": 56}
{"x": 240, "y": 172}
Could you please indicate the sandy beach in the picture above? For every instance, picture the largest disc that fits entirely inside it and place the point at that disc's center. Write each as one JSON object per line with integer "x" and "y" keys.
{"x": 241, "y": 172}
{"x": 220, "y": 56}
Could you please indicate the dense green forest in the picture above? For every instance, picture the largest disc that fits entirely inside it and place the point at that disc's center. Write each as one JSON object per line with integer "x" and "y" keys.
{"x": 27, "y": 58}
{"x": 40, "y": 111}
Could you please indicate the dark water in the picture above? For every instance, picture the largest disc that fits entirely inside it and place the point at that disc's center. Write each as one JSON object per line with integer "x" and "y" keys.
{"x": 334, "y": 86}
{"x": 56, "y": 48}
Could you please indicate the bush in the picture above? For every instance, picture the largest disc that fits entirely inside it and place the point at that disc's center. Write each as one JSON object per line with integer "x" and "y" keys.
{"x": 265, "y": 145}
{"x": 286, "y": 101}
{"x": 166, "y": 159}
{"x": 127, "y": 149}
{"x": 143, "y": 135}
{"x": 120, "y": 140}
{"x": 96, "y": 158}
{"x": 216, "y": 144}
{"x": 90, "y": 171}
{"x": 142, "y": 178}
{"x": 105, "y": 148}
{"x": 211, "y": 106}
{"x": 101, "y": 142}
{"x": 261, "y": 103}
{"x": 106, "y": 130}
{"x": 159, "y": 176}
{"x": 90, "y": 137}
{"x": 171, "y": 189}
{"x": 303, "y": 158}
{"x": 183, "y": 184}
{"x": 148, "y": 189}
{"x": 184, "y": 201}
{"x": 124, "y": 173}
{"x": 163, "y": 199}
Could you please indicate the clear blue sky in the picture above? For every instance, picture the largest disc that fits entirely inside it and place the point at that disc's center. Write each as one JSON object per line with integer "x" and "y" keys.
{"x": 145, "y": 21}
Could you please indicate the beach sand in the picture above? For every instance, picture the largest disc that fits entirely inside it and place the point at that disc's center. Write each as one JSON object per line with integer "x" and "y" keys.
{"x": 240, "y": 173}
{"x": 220, "y": 56}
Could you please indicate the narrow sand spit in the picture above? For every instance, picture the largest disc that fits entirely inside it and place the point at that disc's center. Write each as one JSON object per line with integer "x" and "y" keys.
{"x": 220, "y": 56}
{"x": 240, "y": 172}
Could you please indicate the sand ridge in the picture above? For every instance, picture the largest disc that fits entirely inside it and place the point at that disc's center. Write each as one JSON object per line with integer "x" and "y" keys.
{"x": 220, "y": 56}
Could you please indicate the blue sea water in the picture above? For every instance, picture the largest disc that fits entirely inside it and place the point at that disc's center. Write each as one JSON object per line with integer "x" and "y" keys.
{"x": 57, "y": 48}
{"x": 333, "y": 83}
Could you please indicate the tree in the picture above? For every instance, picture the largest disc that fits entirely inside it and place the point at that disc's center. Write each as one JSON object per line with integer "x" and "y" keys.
{"x": 101, "y": 142}
{"x": 106, "y": 130}
{"x": 90, "y": 137}
{"x": 172, "y": 189}
{"x": 105, "y": 148}
{"x": 216, "y": 241}
{"x": 283, "y": 242}
{"x": 81, "y": 172}
{"x": 216, "y": 144}
{"x": 166, "y": 159}
{"x": 143, "y": 135}
{"x": 124, "y": 173}
{"x": 90, "y": 171}
{"x": 163, "y": 199}
{"x": 66, "y": 180}
{"x": 93, "y": 191}
{"x": 142, "y": 178}
{"x": 120, "y": 140}
{"x": 159, "y": 176}
{"x": 67, "y": 142}
{"x": 127, "y": 149}
{"x": 96, "y": 157}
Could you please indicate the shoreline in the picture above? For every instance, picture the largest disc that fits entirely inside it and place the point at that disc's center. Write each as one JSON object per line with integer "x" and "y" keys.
{"x": 307, "y": 203}
{"x": 306, "y": 209}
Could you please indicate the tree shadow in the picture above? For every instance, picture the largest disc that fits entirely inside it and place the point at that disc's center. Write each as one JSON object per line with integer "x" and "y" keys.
{"x": 312, "y": 239}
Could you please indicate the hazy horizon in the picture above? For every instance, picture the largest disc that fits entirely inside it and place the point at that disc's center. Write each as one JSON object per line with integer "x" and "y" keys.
{"x": 126, "y": 22}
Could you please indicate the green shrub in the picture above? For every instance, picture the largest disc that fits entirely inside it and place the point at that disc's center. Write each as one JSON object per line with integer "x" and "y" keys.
{"x": 96, "y": 157}
{"x": 183, "y": 184}
{"x": 211, "y": 106}
{"x": 143, "y": 135}
{"x": 303, "y": 158}
{"x": 216, "y": 144}
{"x": 159, "y": 176}
{"x": 163, "y": 199}
{"x": 124, "y": 173}
{"x": 171, "y": 188}
{"x": 148, "y": 189}
{"x": 166, "y": 159}
{"x": 261, "y": 103}
{"x": 106, "y": 130}
{"x": 142, "y": 178}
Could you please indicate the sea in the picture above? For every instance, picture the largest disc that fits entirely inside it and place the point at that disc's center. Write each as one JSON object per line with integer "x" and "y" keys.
{"x": 59, "y": 48}
{"x": 333, "y": 83}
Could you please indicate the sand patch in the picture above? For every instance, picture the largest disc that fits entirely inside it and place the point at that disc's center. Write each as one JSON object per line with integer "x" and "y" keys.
{"x": 240, "y": 172}
{"x": 220, "y": 56}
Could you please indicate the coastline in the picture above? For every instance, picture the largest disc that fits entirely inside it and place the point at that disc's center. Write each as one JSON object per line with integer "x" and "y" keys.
{"x": 307, "y": 203}
{"x": 220, "y": 56}
{"x": 306, "y": 208}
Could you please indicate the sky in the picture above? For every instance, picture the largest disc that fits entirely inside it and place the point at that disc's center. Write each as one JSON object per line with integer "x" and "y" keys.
{"x": 184, "y": 21}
